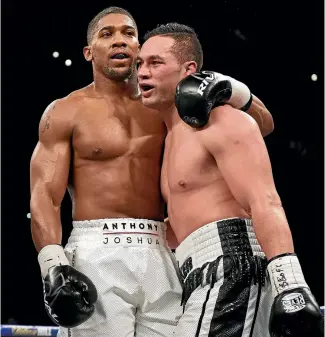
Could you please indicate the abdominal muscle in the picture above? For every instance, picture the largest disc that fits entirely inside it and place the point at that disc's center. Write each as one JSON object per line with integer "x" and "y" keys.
{"x": 191, "y": 209}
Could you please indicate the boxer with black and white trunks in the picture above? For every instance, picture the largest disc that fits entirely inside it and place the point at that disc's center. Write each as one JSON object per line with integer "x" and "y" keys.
{"x": 240, "y": 274}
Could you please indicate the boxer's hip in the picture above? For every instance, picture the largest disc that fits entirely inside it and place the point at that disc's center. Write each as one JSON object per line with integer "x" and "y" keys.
{"x": 231, "y": 240}
{"x": 133, "y": 270}
{"x": 223, "y": 271}
{"x": 120, "y": 250}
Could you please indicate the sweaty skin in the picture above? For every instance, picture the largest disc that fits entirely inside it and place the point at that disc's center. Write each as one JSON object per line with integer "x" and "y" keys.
{"x": 217, "y": 172}
{"x": 100, "y": 142}
{"x": 111, "y": 146}
{"x": 220, "y": 172}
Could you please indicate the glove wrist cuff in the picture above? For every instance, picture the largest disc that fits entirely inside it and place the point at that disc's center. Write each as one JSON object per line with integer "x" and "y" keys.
{"x": 285, "y": 273}
{"x": 241, "y": 97}
{"x": 50, "y": 256}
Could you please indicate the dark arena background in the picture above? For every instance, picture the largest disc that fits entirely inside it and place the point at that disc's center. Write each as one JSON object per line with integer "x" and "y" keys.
{"x": 275, "y": 47}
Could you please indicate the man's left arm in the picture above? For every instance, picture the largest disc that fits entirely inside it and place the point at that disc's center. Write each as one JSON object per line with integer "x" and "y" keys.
{"x": 234, "y": 140}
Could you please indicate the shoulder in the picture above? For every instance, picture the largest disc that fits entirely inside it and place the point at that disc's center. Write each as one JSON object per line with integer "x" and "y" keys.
{"x": 59, "y": 117}
{"x": 65, "y": 108}
{"x": 227, "y": 116}
{"x": 229, "y": 125}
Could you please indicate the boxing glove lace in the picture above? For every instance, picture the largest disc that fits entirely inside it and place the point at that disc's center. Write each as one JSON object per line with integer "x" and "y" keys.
{"x": 294, "y": 312}
{"x": 197, "y": 94}
{"x": 69, "y": 295}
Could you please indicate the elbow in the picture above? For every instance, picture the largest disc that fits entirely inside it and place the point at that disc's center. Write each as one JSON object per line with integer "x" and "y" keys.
{"x": 268, "y": 123}
{"x": 269, "y": 126}
{"x": 268, "y": 202}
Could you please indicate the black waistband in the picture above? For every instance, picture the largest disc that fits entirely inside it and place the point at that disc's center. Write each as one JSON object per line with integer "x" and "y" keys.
{"x": 234, "y": 239}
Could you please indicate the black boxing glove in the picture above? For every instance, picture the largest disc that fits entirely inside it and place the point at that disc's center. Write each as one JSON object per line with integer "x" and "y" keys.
{"x": 197, "y": 94}
{"x": 294, "y": 312}
{"x": 69, "y": 295}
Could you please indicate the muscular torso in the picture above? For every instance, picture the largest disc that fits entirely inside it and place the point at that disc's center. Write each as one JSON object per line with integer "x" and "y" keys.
{"x": 192, "y": 184}
{"x": 117, "y": 146}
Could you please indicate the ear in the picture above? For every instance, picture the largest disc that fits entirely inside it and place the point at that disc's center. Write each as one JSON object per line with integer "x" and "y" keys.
{"x": 87, "y": 53}
{"x": 190, "y": 67}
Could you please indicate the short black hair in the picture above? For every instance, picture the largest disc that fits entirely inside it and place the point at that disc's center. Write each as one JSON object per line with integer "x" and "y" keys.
{"x": 187, "y": 46}
{"x": 110, "y": 10}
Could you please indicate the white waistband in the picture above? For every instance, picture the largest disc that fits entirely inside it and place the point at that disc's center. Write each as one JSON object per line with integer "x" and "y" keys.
{"x": 114, "y": 232}
{"x": 121, "y": 224}
{"x": 206, "y": 243}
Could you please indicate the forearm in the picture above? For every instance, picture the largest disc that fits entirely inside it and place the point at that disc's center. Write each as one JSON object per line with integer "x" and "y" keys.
{"x": 272, "y": 229}
{"x": 262, "y": 116}
{"x": 46, "y": 225}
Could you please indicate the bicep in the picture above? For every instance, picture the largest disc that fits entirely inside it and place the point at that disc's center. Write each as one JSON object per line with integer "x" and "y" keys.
{"x": 244, "y": 163}
{"x": 49, "y": 169}
{"x": 50, "y": 162}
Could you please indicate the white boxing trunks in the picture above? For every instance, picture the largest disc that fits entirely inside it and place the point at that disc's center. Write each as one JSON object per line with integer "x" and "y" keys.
{"x": 135, "y": 273}
{"x": 226, "y": 290}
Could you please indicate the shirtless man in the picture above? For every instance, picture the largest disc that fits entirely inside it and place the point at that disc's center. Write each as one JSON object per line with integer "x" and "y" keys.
{"x": 112, "y": 146}
{"x": 217, "y": 181}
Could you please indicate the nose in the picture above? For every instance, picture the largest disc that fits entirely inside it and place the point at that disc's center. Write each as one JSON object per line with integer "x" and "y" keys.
{"x": 143, "y": 72}
{"x": 119, "y": 41}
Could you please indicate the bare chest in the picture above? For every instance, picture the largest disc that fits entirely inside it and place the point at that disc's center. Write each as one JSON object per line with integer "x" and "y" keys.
{"x": 106, "y": 133}
{"x": 187, "y": 165}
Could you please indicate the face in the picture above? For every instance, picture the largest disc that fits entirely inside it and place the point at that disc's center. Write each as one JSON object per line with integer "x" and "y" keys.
{"x": 114, "y": 47}
{"x": 159, "y": 72}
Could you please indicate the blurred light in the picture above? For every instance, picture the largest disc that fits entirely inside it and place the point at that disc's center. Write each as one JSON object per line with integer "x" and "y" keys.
{"x": 239, "y": 34}
{"x": 292, "y": 144}
{"x": 55, "y": 54}
{"x": 68, "y": 63}
{"x": 28, "y": 215}
{"x": 314, "y": 77}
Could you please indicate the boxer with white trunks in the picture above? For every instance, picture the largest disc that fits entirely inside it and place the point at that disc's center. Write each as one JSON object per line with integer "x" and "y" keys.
{"x": 217, "y": 181}
{"x": 116, "y": 277}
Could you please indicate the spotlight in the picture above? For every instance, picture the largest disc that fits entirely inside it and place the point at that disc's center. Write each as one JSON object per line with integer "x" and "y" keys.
{"x": 314, "y": 77}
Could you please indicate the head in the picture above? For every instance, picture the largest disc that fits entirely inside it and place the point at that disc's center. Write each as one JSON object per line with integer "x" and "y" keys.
{"x": 169, "y": 53}
{"x": 113, "y": 45}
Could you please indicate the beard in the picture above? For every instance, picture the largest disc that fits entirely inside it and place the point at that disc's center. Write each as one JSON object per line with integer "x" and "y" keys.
{"x": 119, "y": 75}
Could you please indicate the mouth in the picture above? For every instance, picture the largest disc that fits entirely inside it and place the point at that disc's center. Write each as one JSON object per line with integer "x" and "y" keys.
{"x": 120, "y": 56}
{"x": 146, "y": 87}
{"x": 146, "y": 90}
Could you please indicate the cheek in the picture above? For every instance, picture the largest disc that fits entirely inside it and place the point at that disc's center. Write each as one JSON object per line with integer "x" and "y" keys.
{"x": 134, "y": 45}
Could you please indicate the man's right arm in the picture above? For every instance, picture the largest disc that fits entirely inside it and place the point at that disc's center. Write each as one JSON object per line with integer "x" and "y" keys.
{"x": 69, "y": 295}
{"x": 49, "y": 170}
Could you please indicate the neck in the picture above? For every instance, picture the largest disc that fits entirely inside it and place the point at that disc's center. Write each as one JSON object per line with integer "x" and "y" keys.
{"x": 170, "y": 117}
{"x": 128, "y": 87}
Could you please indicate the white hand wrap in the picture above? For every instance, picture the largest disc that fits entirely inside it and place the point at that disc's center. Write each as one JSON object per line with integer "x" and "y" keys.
{"x": 241, "y": 94}
{"x": 50, "y": 256}
{"x": 285, "y": 273}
